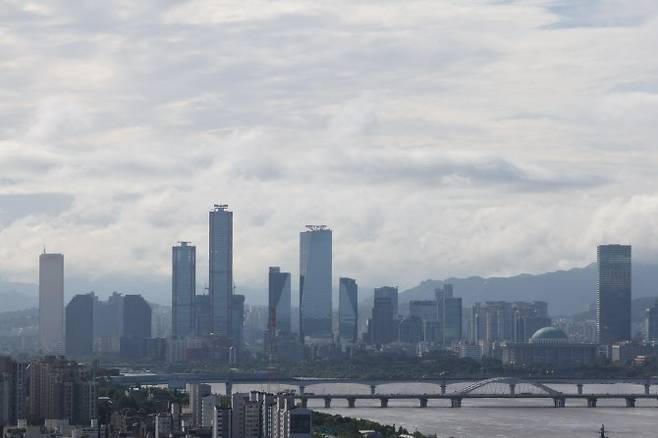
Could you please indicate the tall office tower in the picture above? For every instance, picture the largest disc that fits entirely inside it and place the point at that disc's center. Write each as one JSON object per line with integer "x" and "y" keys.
{"x": 381, "y": 326}
{"x": 51, "y": 303}
{"x": 196, "y": 392}
{"x": 278, "y": 301}
{"x": 13, "y": 391}
{"x": 237, "y": 319}
{"x": 391, "y": 293}
{"x": 528, "y": 318}
{"x": 651, "y": 322}
{"x": 207, "y": 409}
{"x": 411, "y": 330}
{"x": 80, "y": 325}
{"x": 202, "y": 315}
{"x": 221, "y": 269}
{"x": 348, "y": 309}
{"x": 613, "y": 300}
{"x": 136, "y": 326}
{"x": 108, "y": 316}
{"x": 451, "y": 320}
{"x": 183, "y": 290}
{"x": 315, "y": 282}
{"x": 61, "y": 389}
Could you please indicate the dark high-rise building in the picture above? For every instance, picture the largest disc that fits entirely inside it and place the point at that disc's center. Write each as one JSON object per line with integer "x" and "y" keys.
{"x": 315, "y": 270}
{"x": 61, "y": 389}
{"x": 651, "y": 322}
{"x": 391, "y": 293}
{"x": 411, "y": 330}
{"x": 381, "y": 326}
{"x": 452, "y": 320}
{"x": 221, "y": 269}
{"x": 202, "y": 314}
{"x": 348, "y": 309}
{"x": 13, "y": 391}
{"x": 278, "y": 301}
{"x": 237, "y": 319}
{"x": 183, "y": 290}
{"x": 80, "y": 325}
{"x": 136, "y": 326}
{"x": 613, "y": 299}
{"x": 528, "y": 318}
{"x": 108, "y": 316}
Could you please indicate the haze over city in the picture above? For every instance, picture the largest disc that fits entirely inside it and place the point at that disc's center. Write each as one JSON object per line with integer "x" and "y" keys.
{"x": 488, "y": 138}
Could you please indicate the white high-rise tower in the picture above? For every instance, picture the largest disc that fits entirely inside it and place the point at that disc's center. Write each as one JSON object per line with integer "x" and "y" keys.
{"x": 51, "y": 303}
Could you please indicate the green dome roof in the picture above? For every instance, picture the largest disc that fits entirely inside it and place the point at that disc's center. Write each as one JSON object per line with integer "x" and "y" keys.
{"x": 548, "y": 334}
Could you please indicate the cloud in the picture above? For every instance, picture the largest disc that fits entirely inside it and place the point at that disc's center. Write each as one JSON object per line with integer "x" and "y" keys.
{"x": 475, "y": 138}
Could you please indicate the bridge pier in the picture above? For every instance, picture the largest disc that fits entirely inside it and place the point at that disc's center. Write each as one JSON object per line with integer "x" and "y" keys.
{"x": 423, "y": 402}
{"x": 559, "y": 402}
{"x": 580, "y": 388}
{"x": 301, "y": 389}
{"x": 383, "y": 402}
{"x": 647, "y": 388}
{"x": 456, "y": 402}
{"x": 373, "y": 389}
{"x": 304, "y": 402}
{"x": 512, "y": 389}
{"x": 351, "y": 402}
{"x": 327, "y": 402}
{"x": 443, "y": 388}
{"x": 229, "y": 388}
{"x": 591, "y": 402}
{"x": 630, "y": 402}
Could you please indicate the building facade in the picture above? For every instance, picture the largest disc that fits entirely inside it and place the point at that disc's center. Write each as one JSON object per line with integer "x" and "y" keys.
{"x": 80, "y": 326}
{"x": 220, "y": 269}
{"x": 613, "y": 299}
{"x": 183, "y": 290}
{"x": 279, "y": 297}
{"x": 51, "y": 303}
{"x": 348, "y": 309}
{"x": 315, "y": 273}
{"x": 549, "y": 346}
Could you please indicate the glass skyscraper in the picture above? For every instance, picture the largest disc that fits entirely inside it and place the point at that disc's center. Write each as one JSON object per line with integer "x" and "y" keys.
{"x": 315, "y": 282}
{"x": 220, "y": 269}
{"x": 348, "y": 309}
{"x": 278, "y": 301}
{"x": 613, "y": 300}
{"x": 183, "y": 290}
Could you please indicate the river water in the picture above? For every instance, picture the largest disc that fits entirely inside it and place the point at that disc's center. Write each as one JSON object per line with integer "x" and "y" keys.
{"x": 493, "y": 418}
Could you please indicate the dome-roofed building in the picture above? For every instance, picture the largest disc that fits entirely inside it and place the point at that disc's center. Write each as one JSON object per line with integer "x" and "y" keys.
{"x": 548, "y": 346}
{"x": 549, "y": 335}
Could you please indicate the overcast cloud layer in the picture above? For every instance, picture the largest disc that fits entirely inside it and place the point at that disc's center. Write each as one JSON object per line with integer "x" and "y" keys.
{"x": 436, "y": 138}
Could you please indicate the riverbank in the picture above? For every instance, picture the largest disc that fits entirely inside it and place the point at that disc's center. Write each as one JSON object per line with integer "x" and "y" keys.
{"x": 349, "y": 427}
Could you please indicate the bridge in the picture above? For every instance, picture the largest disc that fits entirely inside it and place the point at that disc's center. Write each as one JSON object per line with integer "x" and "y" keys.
{"x": 475, "y": 391}
{"x": 534, "y": 387}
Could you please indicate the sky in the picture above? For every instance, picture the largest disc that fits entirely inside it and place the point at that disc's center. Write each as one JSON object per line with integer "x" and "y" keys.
{"x": 436, "y": 138}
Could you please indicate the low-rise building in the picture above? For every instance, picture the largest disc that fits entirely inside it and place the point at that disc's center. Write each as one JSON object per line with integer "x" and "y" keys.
{"x": 548, "y": 346}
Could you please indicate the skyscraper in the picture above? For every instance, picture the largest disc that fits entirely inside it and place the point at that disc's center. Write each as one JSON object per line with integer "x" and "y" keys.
{"x": 80, "y": 325}
{"x": 221, "y": 269}
{"x": 51, "y": 303}
{"x": 651, "y": 322}
{"x": 389, "y": 292}
{"x": 348, "y": 309}
{"x": 381, "y": 327}
{"x": 136, "y": 326}
{"x": 278, "y": 301}
{"x": 613, "y": 301}
{"x": 315, "y": 282}
{"x": 183, "y": 290}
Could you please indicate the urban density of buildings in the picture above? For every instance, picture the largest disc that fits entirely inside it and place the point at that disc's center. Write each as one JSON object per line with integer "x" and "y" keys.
{"x": 221, "y": 326}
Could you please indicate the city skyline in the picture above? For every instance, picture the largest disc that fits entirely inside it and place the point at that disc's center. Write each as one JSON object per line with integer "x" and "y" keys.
{"x": 95, "y": 154}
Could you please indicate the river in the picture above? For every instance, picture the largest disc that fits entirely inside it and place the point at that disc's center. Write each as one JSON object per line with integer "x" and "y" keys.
{"x": 493, "y": 418}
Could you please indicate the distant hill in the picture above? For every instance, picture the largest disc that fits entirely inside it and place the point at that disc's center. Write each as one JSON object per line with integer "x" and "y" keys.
{"x": 567, "y": 292}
